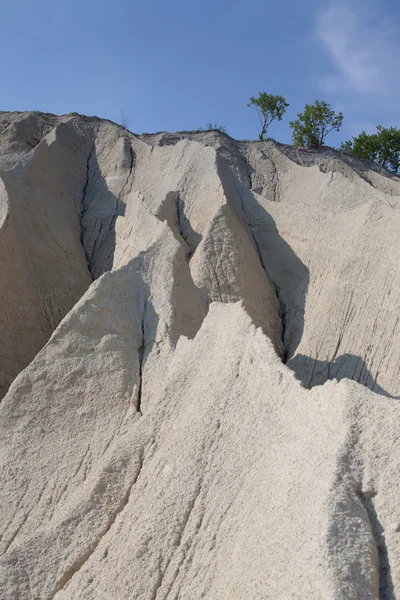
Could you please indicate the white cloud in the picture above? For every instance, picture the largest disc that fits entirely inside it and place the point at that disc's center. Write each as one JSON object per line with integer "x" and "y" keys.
{"x": 364, "y": 47}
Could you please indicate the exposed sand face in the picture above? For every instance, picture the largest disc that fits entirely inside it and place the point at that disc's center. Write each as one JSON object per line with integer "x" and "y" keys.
{"x": 157, "y": 446}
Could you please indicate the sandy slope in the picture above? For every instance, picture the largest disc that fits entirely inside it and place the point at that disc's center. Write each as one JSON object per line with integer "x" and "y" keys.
{"x": 157, "y": 446}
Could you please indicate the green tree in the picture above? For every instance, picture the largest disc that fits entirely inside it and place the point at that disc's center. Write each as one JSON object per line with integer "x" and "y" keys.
{"x": 382, "y": 147}
{"x": 364, "y": 146}
{"x": 268, "y": 108}
{"x": 314, "y": 124}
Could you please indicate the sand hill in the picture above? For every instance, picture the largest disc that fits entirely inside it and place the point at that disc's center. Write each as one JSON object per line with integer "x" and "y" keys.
{"x": 199, "y": 367}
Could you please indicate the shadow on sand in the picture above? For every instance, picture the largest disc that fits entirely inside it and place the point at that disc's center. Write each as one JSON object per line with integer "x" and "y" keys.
{"x": 291, "y": 278}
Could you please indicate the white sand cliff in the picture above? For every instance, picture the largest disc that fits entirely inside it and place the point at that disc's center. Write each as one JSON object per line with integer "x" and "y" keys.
{"x": 200, "y": 367}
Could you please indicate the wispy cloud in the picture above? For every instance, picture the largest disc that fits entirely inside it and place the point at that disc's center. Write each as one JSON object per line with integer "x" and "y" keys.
{"x": 364, "y": 47}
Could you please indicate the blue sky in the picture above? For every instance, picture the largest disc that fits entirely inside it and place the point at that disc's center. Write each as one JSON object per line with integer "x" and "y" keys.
{"x": 179, "y": 64}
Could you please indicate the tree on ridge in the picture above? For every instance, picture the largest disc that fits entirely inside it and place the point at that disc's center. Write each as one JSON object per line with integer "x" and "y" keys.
{"x": 314, "y": 124}
{"x": 268, "y": 107}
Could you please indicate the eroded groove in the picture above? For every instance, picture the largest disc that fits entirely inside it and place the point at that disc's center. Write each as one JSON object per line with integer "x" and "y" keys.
{"x": 177, "y": 545}
{"x": 248, "y": 167}
{"x": 82, "y": 560}
{"x": 180, "y": 215}
{"x": 282, "y": 310}
{"x": 104, "y": 224}
{"x": 24, "y": 520}
{"x": 172, "y": 212}
{"x": 386, "y": 590}
{"x": 275, "y": 177}
{"x": 98, "y": 237}
{"x": 198, "y": 500}
{"x": 216, "y": 279}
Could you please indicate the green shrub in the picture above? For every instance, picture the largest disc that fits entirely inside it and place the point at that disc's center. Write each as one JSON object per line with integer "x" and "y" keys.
{"x": 214, "y": 127}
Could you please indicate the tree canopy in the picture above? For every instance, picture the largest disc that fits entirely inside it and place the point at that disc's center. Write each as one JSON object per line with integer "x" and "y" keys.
{"x": 268, "y": 107}
{"x": 314, "y": 124}
{"x": 382, "y": 147}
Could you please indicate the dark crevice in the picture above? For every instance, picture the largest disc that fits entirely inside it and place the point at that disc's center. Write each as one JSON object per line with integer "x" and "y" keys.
{"x": 98, "y": 237}
{"x": 275, "y": 179}
{"x": 33, "y": 142}
{"x": 104, "y": 239}
{"x": 180, "y": 216}
{"x": 107, "y": 260}
{"x": 117, "y": 211}
{"x": 141, "y": 351}
{"x": 172, "y": 211}
{"x": 282, "y": 315}
{"x": 249, "y": 169}
{"x": 87, "y": 179}
{"x": 386, "y": 589}
{"x": 131, "y": 166}
{"x": 83, "y": 205}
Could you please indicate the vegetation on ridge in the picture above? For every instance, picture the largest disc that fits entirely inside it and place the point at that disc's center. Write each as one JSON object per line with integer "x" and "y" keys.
{"x": 312, "y": 127}
{"x": 314, "y": 124}
{"x": 268, "y": 107}
{"x": 382, "y": 147}
{"x": 214, "y": 127}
